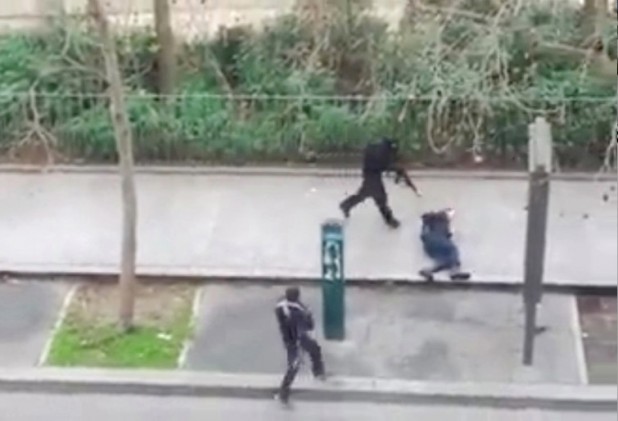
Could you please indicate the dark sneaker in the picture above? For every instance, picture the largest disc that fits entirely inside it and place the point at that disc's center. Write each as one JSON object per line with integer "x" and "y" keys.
{"x": 345, "y": 211}
{"x": 425, "y": 273}
{"x": 284, "y": 399}
{"x": 460, "y": 276}
{"x": 393, "y": 223}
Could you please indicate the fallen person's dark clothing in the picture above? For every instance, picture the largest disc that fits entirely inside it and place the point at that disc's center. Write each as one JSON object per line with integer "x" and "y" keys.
{"x": 438, "y": 244}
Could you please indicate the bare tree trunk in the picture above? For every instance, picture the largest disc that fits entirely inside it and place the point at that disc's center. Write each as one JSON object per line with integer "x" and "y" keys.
{"x": 166, "y": 61}
{"x": 594, "y": 13}
{"x": 124, "y": 145}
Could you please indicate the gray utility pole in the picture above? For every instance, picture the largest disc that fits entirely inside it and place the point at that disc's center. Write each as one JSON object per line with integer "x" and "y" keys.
{"x": 539, "y": 168}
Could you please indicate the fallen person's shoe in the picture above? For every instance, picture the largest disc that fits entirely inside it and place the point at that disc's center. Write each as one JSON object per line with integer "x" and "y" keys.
{"x": 426, "y": 273}
{"x": 460, "y": 276}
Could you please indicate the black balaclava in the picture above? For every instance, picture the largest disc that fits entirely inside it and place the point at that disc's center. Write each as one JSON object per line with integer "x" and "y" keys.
{"x": 292, "y": 294}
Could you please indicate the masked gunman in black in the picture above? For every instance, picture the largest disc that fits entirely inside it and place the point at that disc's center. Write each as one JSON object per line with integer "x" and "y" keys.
{"x": 296, "y": 323}
{"x": 378, "y": 158}
{"x": 438, "y": 244}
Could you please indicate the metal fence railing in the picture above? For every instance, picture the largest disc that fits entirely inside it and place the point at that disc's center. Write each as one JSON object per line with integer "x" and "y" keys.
{"x": 52, "y": 91}
{"x": 199, "y": 128}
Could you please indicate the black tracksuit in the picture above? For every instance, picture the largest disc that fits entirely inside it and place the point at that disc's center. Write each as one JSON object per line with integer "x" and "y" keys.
{"x": 295, "y": 323}
{"x": 378, "y": 158}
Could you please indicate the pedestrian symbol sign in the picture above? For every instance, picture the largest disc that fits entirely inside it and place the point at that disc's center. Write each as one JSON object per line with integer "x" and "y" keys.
{"x": 333, "y": 279}
{"x": 332, "y": 260}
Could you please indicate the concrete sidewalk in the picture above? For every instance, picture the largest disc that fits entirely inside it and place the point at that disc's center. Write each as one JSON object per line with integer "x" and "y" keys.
{"x": 444, "y": 335}
{"x": 268, "y": 226}
{"x": 211, "y": 384}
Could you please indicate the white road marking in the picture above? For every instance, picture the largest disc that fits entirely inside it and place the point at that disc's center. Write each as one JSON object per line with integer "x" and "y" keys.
{"x": 580, "y": 355}
{"x": 68, "y": 298}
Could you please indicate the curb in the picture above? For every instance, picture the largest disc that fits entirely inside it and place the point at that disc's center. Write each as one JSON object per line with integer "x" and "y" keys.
{"x": 283, "y": 276}
{"x": 64, "y": 309}
{"x": 184, "y": 383}
{"x": 290, "y": 171}
{"x": 186, "y": 346}
{"x": 580, "y": 353}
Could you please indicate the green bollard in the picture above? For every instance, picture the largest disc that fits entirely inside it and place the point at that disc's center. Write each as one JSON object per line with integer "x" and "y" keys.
{"x": 333, "y": 303}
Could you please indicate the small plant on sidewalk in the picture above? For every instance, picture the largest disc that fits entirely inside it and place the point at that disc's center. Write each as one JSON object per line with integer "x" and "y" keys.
{"x": 90, "y": 336}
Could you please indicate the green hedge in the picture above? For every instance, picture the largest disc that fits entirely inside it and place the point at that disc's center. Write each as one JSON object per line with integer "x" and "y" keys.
{"x": 303, "y": 89}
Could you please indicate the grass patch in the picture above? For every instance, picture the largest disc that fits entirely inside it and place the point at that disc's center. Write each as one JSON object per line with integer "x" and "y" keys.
{"x": 89, "y": 335}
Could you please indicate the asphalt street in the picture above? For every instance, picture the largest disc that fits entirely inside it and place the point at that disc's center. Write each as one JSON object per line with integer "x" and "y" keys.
{"x": 28, "y": 311}
{"x": 37, "y": 407}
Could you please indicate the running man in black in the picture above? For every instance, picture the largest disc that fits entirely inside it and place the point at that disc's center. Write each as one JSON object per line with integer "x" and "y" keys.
{"x": 296, "y": 323}
{"x": 378, "y": 158}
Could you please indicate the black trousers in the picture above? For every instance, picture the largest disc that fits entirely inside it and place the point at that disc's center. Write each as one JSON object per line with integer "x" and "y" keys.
{"x": 312, "y": 347}
{"x": 372, "y": 187}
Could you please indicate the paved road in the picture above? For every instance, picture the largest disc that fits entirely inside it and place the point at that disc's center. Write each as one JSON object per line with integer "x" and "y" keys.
{"x": 26, "y": 407}
{"x": 269, "y": 226}
{"x": 434, "y": 335}
{"x": 599, "y": 324}
{"x": 28, "y": 312}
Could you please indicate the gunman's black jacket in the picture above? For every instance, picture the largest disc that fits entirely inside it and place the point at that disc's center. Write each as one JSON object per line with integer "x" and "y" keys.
{"x": 294, "y": 320}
